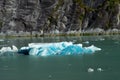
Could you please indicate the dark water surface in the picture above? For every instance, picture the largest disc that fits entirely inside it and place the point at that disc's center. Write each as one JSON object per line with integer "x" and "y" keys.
{"x": 74, "y": 67}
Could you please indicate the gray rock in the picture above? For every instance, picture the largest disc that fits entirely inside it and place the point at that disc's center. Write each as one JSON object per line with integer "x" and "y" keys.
{"x": 45, "y": 16}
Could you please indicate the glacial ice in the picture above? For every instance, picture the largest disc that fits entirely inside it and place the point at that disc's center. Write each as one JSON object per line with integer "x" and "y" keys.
{"x": 59, "y": 48}
{"x": 8, "y": 50}
{"x": 46, "y": 49}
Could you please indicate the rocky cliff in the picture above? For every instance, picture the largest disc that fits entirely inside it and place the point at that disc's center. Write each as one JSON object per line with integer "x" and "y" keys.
{"x": 56, "y": 16}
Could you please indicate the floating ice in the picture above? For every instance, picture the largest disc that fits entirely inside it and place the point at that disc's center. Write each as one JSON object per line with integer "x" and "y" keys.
{"x": 86, "y": 42}
{"x": 8, "y": 50}
{"x": 99, "y": 69}
{"x": 59, "y": 48}
{"x": 46, "y": 49}
{"x": 90, "y": 70}
{"x": 1, "y": 40}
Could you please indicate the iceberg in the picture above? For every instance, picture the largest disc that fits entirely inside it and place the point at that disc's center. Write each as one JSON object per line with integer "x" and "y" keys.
{"x": 47, "y": 49}
{"x": 59, "y": 48}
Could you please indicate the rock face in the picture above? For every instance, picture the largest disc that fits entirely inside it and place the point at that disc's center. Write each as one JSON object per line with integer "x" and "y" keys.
{"x": 58, "y": 15}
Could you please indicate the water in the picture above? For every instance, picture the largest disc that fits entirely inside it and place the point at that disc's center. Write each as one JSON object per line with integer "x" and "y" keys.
{"x": 74, "y": 67}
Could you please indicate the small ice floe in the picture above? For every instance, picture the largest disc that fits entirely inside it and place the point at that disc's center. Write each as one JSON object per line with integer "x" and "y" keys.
{"x": 74, "y": 41}
{"x": 8, "y": 50}
{"x": 90, "y": 70}
{"x": 92, "y": 48}
{"x": 86, "y": 42}
{"x": 99, "y": 69}
{"x": 4, "y": 49}
{"x": 14, "y": 48}
{"x": 1, "y": 40}
{"x": 102, "y": 39}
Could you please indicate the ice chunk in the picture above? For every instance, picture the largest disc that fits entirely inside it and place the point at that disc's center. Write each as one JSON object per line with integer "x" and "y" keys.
{"x": 91, "y": 49}
{"x": 90, "y": 70}
{"x": 4, "y": 49}
{"x": 99, "y": 69}
{"x": 15, "y": 49}
{"x": 59, "y": 48}
{"x": 1, "y": 40}
{"x": 86, "y": 42}
{"x": 8, "y": 50}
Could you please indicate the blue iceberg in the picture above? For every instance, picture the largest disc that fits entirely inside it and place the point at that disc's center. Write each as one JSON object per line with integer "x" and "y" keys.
{"x": 59, "y": 48}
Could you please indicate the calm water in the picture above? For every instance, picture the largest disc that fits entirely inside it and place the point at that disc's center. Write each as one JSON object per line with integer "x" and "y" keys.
{"x": 21, "y": 67}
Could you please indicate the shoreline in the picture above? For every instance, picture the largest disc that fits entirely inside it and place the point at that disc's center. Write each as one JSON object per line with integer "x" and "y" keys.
{"x": 53, "y": 34}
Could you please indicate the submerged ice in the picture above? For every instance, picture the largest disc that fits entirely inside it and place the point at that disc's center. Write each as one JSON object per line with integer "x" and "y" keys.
{"x": 59, "y": 48}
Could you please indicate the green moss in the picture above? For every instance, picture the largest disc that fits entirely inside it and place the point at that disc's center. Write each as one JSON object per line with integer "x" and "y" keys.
{"x": 78, "y": 1}
{"x": 116, "y": 1}
{"x": 54, "y": 16}
{"x": 1, "y": 23}
{"x": 112, "y": 4}
{"x": 60, "y": 3}
{"x": 81, "y": 17}
{"x": 107, "y": 26}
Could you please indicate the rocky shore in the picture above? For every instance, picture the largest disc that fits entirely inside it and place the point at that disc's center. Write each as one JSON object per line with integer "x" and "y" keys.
{"x": 91, "y": 32}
